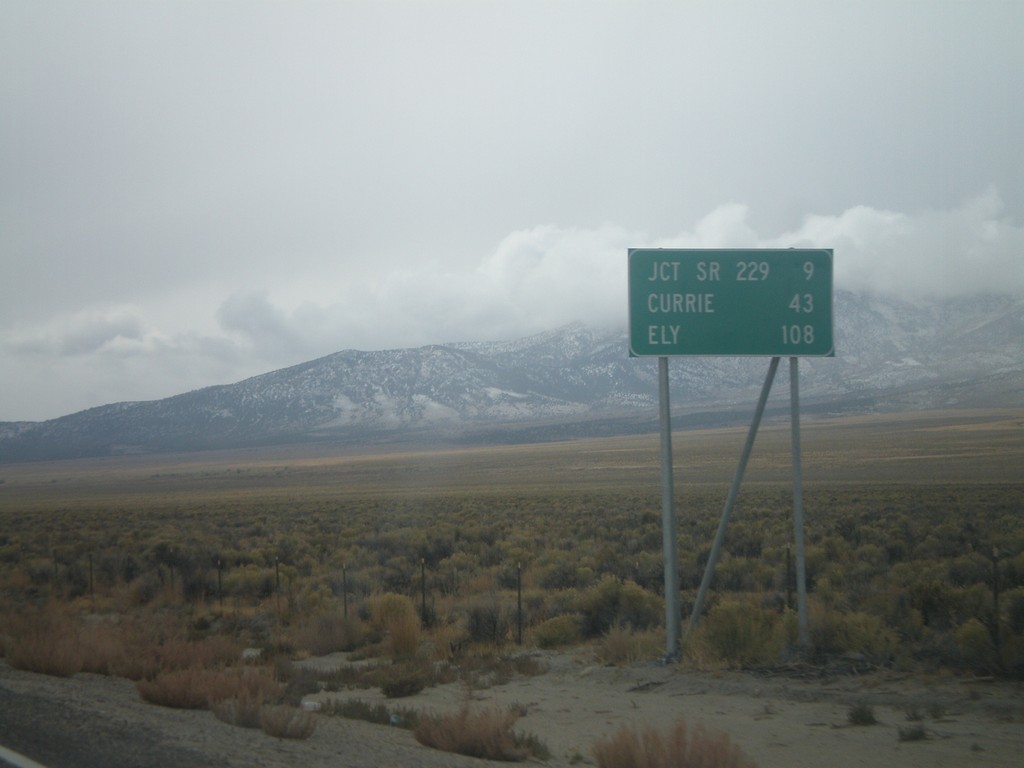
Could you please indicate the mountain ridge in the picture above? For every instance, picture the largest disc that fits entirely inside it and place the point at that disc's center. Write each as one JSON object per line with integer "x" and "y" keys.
{"x": 566, "y": 382}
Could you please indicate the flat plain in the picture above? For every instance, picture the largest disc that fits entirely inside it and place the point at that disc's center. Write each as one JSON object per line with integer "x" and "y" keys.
{"x": 908, "y": 517}
{"x": 967, "y": 447}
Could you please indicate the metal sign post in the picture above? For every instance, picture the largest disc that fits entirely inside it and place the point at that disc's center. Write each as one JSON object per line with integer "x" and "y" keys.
{"x": 730, "y": 502}
{"x": 669, "y": 537}
{"x": 764, "y": 302}
{"x": 803, "y": 635}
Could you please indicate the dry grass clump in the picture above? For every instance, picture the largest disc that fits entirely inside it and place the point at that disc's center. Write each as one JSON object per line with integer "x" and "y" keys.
{"x": 286, "y": 722}
{"x": 404, "y": 680}
{"x": 45, "y": 642}
{"x": 622, "y": 645}
{"x": 242, "y": 710}
{"x": 483, "y": 733}
{"x": 54, "y": 642}
{"x": 916, "y": 732}
{"x": 396, "y": 616}
{"x": 199, "y": 688}
{"x": 558, "y": 631}
{"x": 861, "y": 714}
{"x": 241, "y": 696}
{"x": 678, "y": 747}
{"x": 737, "y": 633}
{"x": 192, "y": 688}
{"x": 145, "y": 657}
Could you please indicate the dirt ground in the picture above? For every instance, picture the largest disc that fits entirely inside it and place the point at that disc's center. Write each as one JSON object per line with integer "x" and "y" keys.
{"x": 792, "y": 720}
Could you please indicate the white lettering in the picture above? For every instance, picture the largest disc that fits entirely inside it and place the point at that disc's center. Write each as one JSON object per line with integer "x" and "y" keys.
{"x": 707, "y": 271}
{"x": 752, "y": 270}
{"x": 680, "y": 303}
{"x": 664, "y": 271}
{"x": 662, "y": 335}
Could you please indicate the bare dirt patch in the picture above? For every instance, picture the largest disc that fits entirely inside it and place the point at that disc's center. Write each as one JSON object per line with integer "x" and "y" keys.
{"x": 792, "y": 720}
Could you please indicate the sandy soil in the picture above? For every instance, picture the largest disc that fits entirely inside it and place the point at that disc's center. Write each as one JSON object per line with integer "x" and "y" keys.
{"x": 789, "y": 720}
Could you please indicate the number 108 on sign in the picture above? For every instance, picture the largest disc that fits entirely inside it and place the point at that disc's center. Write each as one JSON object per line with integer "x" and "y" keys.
{"x": 775, "y": 302}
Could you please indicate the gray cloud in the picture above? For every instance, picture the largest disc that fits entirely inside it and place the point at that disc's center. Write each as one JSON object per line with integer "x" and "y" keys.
{"x": 208, "y": 190}
{"x": 546, "y": 276}
{"x": 971, "y": 249}
{"x": 82, "y": 333}
{"x": 259, "y": 322}
{"x": 534, "y": 279}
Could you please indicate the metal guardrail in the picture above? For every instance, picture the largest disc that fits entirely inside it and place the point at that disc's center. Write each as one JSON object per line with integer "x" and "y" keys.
{"x": 14, "y": 760}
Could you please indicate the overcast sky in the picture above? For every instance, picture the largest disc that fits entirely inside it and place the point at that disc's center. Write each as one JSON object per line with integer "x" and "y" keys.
{"x": 196, "y": 192}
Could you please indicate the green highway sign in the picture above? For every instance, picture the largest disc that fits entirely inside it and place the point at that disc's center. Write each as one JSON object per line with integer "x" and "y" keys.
{"x": 758, "y": 301}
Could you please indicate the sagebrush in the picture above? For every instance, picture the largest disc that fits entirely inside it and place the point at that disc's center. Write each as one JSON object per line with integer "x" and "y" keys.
{"x": 677, "y": 747}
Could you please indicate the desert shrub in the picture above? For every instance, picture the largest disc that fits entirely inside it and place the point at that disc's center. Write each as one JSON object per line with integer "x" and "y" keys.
{"x": 970, "y": 568}
{"x": 835, "y": 632}
{"x": 739, "y": 633}
{"x": 300, "y": 681}
{"x": 46, "y": 642}
{"x": 894, "y": 607}
{"x": 242, "y": 710}
{"x": 622, "y": 645}
{"x": 616, "y": 647}
{"x": 403, "y": 680}
{"x": 1015, "y": 611}
{"x": 286, "y": 722}
{"x": 199, "y": 688}
{"x": 563, "y": 573}
{"x": 330, "y": 632}
{"x": 678, "y": 747}
{"x": 861, "y": 714}
{"x": 487, "y": 734}
{"x": 180, "y": 653}
{"x": 936, "y": 601}
{"x": 527, "y": 666}
{"x": 404, "y": 636}
{"x": 57, "y": 655}
{"x": 145, "y": 588}
{"x": 558, "y": 631}
{"x": 916, "y": 732}
{"x": 1012, "y": 649}
{"x": 250, "y": 581}
{"x": 75, "y": 579}
{"x": 611, "y": 602}
{"x": 599, "y": 607}
{"x": 740, "y": 574}
{"x": 102, "y": 647}
{"x": 397, "y": 616}
{"x": 38, "y": 570}
{"x": 388, "y": 608}
{"x": 975, "y": 645}
{"x": 192, "y": 688}
{"x": 487, "y": 621}
{"x": 973, "y": 602}
{"x": 484, "y": 670}
{"x": 639, "y": 608}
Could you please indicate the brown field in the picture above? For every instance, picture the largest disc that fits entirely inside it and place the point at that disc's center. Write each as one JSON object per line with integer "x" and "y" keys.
{"x": 161, "y": 568}
{"x": 971, "y": 447}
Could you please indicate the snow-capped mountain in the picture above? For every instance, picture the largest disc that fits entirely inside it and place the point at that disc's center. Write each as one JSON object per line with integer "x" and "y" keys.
{"x": 574, "y": 380}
